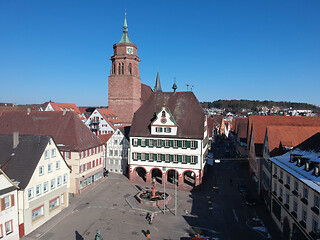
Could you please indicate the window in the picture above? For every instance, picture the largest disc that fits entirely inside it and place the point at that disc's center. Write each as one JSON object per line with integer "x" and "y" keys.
{"x": 30, "y": 193}
{"x": 193, "y": 159}
{"x": 288, "y": 180}
{"x": 135, "y": 156}
{"x": 314, "y": 225}
{"x": 175, "y": 143}
{"x": 316, "y": 201}
{"x": 143, "y": 156}
{"x": 57, "y": 165}
{"x": 150, "y": 142}
{"x": 151, "y": 157}
{"x": 281, "y": 192}
{"x": 281, "y": 174}
{"x": 8, "y": 227}
{"x": 166, "y": 143}
{"x": 49, "y": 167}
{"x": 65, "y": 178}
{"x": 167, "y": 158}
{"x": 288, "y": 199}
{"x": 115, "y": 141}
{"x": 90, "y": 151}
{"x": 193, "y": 144}
{"x": 275, "y": 170}
{"x": 52, "y": 183}
{"x": 46, "y": 154}
{"x": 7, "y": 202}
{"x": 275, "y": 187}
{"x": 38, "y": 189}
{"x": 159, "y": 157}
{"x": 184, "y": 144}
{"x": 41, "y": 170}
{"x": 111, "y": 153}
{"x": 37, "y": 213}
{"x": 296, "y": 186}
{"x": 295, "y": 206}
{"x": 85, "y": 167}
{"x": 163, "y": 114}
{"x": 304, "y": 216}
{"x": 111, "y": 161}
{"x": 81, "y": 154}
{"x": 45, "y": 187}
{"x": 59, "y": 181}
{"x": 158, "y": 142}
{"x": 305, "y": 193}
{"x": 68, "y": 155}
{"x": 54, "y": 203}
{"x": 184, "y": 159}
{"x": 116, "y": 162}
{"x": 175, "y": 158}
{"x": 135, "y": 142}
{"x": 53, "y": 152}
{"x": 116, "y": 153}
{"x": 81, "y": 168}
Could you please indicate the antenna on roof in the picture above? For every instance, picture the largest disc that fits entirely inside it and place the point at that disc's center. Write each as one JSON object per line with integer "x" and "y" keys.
{"x": 187, "y": 87}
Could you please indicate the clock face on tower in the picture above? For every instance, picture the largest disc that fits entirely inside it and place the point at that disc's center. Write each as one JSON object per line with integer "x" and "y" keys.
{"x": 130, "y": 50}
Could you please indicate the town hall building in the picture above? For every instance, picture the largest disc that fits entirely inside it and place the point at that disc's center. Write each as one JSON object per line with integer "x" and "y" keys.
{"x": 169, "y": 140}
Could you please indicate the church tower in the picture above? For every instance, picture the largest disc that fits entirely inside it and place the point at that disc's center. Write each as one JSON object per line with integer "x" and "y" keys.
{"x": 124, "y": 87}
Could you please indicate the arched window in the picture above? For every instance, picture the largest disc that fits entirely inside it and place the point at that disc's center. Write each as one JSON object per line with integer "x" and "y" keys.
{"x": 114, "y": 69}
{"x": 130, "y": 69}
{"x": 163, "y": 114}
{"x": 122, "y": 68}
{"x": 119, "y": 69}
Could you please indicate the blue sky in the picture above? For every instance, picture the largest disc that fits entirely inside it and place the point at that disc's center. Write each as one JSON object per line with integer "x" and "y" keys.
{"x": 259, "y": 50}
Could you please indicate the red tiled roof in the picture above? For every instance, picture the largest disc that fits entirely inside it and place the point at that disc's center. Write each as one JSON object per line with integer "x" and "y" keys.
{"x": 242, "y": 129}
{"x": 63, "y": 106}
{"x": 105, "y": 137}
{"x": 239, "y": 120}
{"x": 67, "y": 130}
{"x": 288, "y": 136}
{"x": 260, "y": 124}
{"x": 146, "y": 91}
{"x": 109, "y": 116}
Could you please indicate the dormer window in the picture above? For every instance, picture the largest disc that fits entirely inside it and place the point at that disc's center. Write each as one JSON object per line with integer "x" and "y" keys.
{"x": 307, "y": 166}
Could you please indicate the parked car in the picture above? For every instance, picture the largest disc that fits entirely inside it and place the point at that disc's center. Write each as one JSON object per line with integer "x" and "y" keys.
{"x": 247, "y": 199}
{"x": 242, "y": 188}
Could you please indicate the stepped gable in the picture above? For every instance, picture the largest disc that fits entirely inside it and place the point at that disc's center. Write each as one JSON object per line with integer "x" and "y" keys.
{"x": 184, "y": 107}
{"x": 288, "y": 137}
{"x": 67, "y": 130}
{"x": 20, "y": 163}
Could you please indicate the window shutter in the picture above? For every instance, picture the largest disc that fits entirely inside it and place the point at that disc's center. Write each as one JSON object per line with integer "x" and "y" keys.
{"x": 163, "y": 157}
{"x": 160, "y": 129}
{"x": 163, "y": 143}
{"x": 2, "y": 204}
{"x": 171, "y": 158}
{"x": 188, "y": 144}
{"x": 132, "y": 156}
{"x": 139, "y": 156}
{"x": 179, "y": 143}
{"x": 196, "y": 144}
{"x": 188, "y": 159}
{"x": 196, "y": 159}
{"x": 147, "y": 156}
{"x": 155, "y": 157}
{"x": 147, "y": 142}
{"x": 179, "y": 158}
{"x": 139, "y": 142}
{"x": 12, "y": 200}
{"x": 171, "y": 143}
{"x": 132, "y": 141}
{"x": 154, "y": 143}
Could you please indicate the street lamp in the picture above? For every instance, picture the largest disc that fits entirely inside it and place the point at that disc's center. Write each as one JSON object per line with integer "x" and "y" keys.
{"x": 164, "y": 190}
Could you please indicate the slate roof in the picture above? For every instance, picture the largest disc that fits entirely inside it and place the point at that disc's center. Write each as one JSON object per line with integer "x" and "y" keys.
{"x": 20, "y": 163}
{"x": 311, "y": 144}
{"x": 67, "y": 130}
{"x": 288, "y": 136}
{"x": 184, "y": 107}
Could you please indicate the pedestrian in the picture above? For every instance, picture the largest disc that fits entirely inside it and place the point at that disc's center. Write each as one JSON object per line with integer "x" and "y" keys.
{"x": 147, "y": 216}
{"x": 151, "y": 218}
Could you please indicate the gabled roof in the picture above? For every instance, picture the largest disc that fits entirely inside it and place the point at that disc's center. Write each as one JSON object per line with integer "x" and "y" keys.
{"x": 146, "y": 92}
{"x": 109, "y": 116}
{"x": 184, "y": 107}
{"x": 312, "y": 144}
{"x": 20, "y": 163}
{"x": 288, "y": 136}
{"x": 105, "y": 137}
{"x": 260, "y": 124}
{"x": 239, "y": 120}
{"x": 19, "y": 108}
{"x": 65, "y": 106}
{"x": 67, "y": 130}
{"x": 242, "y": 130}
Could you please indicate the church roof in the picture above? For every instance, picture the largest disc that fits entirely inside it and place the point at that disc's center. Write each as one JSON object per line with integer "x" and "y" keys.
{"x": 125, "y": 37}
{"x": 184, "y": 107}
{"x": 157, "y": 87}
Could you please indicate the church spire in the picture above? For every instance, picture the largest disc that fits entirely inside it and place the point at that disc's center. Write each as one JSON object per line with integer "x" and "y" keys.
{"x": 125, "y": 37}
{"x": 157, "y": 87}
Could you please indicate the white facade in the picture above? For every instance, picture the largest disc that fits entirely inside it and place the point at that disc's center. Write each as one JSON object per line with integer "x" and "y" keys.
{"x": 8, "y": 209}
{"x": 117, "y": 153}
{"x": 295, "y": 197}
{"x": 47, "y": 192}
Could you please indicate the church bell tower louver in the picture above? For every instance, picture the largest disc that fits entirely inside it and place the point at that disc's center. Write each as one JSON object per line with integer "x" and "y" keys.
{"x": 124, "y": 83}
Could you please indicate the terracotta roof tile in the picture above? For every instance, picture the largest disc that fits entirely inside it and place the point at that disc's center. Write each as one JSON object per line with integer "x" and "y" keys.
{"x": 61, "y": 106}
{"x": 105, "y": 137}
{"x": 110, "y": 117}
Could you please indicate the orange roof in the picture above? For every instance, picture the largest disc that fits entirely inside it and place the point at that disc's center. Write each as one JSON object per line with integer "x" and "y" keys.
{"x": 105, "y": 137}
{"x": 260, "y": 124}
{"x": 109, "y": 116}
{"x": 20, "y": 108}
{"x": 65, "y": 106}
{"x": 288, "y": 136}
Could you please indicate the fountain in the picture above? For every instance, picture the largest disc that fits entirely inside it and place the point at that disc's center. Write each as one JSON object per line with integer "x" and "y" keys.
{"x": 152, "y": 198}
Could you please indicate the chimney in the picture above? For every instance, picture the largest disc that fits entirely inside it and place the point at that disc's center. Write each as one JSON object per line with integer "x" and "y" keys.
{"x": 15, "y": 139}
